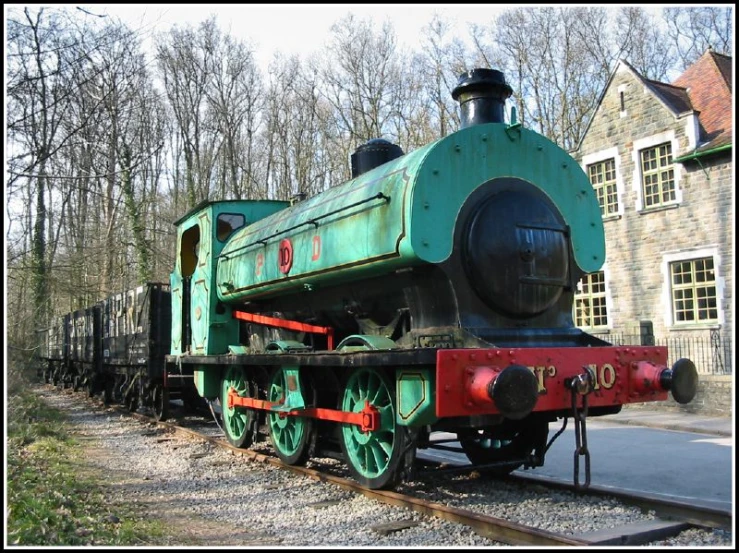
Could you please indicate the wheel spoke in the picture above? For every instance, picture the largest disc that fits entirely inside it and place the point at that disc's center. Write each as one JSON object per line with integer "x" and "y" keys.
{"x": 387, "y": 417}
{"x": 368, "y": 461}
{"x": 386, "y": 445}
{"x": 290, "y": 435}
{"x": 289, "y": 438}
{"x": 373, "y": 457}
{"x": 355, "y": 398}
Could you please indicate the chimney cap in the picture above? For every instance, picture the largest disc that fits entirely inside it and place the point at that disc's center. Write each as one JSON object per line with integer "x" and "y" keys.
{"x": 479, "y": 80}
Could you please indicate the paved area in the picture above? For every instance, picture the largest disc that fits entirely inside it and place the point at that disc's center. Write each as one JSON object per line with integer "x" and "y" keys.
{"x": 686, "y": 422}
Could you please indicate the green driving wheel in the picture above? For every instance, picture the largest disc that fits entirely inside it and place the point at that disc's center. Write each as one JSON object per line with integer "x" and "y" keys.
{"x": 238, "y": 422}
{"x": 291, "y": 435}
{"x": 374, "y": 457}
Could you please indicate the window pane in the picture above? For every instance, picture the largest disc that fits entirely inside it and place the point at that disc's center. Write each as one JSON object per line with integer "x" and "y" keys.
{"x": 694, "y": 291}
{"x": 658, "y": 175}
{"x": 590, "y": 301}
{"x": 603, "y": 178}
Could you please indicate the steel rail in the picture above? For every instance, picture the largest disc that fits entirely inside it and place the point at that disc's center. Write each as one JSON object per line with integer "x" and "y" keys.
{"x": 703, "y": 516}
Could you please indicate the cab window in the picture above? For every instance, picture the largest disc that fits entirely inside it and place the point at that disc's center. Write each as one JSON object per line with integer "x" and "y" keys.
{"x": 227, "y": 224}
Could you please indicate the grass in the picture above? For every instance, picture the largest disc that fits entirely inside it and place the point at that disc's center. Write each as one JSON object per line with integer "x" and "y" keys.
{"x": 53, "y": 498}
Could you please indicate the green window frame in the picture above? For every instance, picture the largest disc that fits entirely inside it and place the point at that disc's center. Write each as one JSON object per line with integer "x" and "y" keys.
{"x": 603, "y": 178}
{"x": 694, "y": 298}
{"x": 658, "y": 175}
{"x": 590, "y": 309}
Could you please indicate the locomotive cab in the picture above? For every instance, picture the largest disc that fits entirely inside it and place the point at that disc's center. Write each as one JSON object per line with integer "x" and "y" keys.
{"x": 202, "y": 234}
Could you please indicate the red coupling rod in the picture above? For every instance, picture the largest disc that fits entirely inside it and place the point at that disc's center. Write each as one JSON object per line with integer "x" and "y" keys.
{"x": 368, "y": 419}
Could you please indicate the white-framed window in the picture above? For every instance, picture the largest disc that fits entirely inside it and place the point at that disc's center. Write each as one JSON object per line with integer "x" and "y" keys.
{"x": 590, "y": 309}
{"x": 656, "y": 176}
{"x": 604, "y": 171}
{"x": 693, "y": 289}
{"x": 602, "y": 176}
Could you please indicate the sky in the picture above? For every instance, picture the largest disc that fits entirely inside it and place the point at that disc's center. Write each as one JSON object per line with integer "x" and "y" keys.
{"x": 295, "y": 28}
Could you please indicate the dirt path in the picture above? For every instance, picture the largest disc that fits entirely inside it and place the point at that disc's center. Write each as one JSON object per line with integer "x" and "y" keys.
{"x": 120, "y": 487}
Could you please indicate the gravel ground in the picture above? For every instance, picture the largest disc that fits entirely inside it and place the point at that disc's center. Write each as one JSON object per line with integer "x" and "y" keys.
{"x": 219, "y": 499}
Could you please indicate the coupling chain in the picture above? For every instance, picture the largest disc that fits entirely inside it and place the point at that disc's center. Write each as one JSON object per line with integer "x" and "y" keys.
{"x": 581, "y": 436}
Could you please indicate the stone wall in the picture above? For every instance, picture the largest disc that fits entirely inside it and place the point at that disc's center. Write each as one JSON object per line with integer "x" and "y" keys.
{"x": 714, "y": 399}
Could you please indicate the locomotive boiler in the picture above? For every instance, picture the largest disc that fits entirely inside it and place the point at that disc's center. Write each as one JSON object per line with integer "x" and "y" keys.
{"x": 431, "y": 292}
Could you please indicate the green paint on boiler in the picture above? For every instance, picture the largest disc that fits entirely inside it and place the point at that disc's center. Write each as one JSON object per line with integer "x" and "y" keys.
{"x": 457, "y": 165}
{"x": 403, "y": 213}
{"x": 353, "y": 231}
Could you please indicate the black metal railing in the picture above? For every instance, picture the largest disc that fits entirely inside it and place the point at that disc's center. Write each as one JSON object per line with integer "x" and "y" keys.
{"x": 711, "y": 352}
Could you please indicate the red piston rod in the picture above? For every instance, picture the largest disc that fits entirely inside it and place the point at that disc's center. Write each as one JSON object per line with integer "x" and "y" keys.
{"x": 286, "y": 324}
{"x": 368, "y": 419}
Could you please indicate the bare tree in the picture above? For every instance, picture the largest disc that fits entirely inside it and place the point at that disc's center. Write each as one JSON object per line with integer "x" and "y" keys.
{"x": 551, "y": 68}
{"x": 360, "y": 78}
{"x": 643, "y": 43}
{"x": 185, "y": 64}
{"x": 298, "y": 150}
{"x": 558, "y": 60}
{"x": 235, "y": 97}
{"x": 695, "y": 29}
{"x": 437, "y": 69}
{"x": 40, "y": 92}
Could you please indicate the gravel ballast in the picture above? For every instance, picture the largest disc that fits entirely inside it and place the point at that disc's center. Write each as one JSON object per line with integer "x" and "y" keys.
{"x": 219, "y": 499}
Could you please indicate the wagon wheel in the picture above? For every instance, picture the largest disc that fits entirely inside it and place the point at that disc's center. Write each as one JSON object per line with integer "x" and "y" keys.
{"x": 91, "y": 386}
{"x": 291, "y": 435}
{"x": 374, "y": 457}
{"x": 501, "y": 445}
{"x": 160, "y": 402}
{"x": 238, "y": 423}
{"x": 131, "y": 400}
{"x": 108, "y": 391}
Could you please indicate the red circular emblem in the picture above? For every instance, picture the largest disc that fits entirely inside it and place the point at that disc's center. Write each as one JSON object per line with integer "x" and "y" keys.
{"x": 285, "y": 256}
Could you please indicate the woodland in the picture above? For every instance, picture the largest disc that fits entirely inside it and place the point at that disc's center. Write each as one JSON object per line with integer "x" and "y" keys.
{"x": 113, "y": 133}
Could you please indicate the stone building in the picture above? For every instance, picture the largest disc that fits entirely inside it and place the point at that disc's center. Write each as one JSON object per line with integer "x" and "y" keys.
{"x": 659, "y": 156}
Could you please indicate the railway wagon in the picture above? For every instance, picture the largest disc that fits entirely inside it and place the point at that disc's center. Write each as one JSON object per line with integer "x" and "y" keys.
{"x": 431, "y": 292}
{"x": 84, "y": 355}
{"x": 134, "y": 340}
{"x": 117, "y": 347}
{"x": 53, "y": 350}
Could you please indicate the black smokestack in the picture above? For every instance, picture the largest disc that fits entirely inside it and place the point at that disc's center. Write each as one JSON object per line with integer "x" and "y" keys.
{"x": 481, "y": 94}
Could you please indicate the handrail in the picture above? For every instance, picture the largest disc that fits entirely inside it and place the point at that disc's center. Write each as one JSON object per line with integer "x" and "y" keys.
{"x": 314, "y": 221}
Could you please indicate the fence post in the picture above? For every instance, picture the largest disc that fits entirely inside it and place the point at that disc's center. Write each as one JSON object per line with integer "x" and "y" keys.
{"x": 718, "y": 362}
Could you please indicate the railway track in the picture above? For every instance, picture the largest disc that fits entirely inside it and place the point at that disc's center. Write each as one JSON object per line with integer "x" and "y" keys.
{"x": 680, "y": 512}
{"x": 673, "y": 517}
